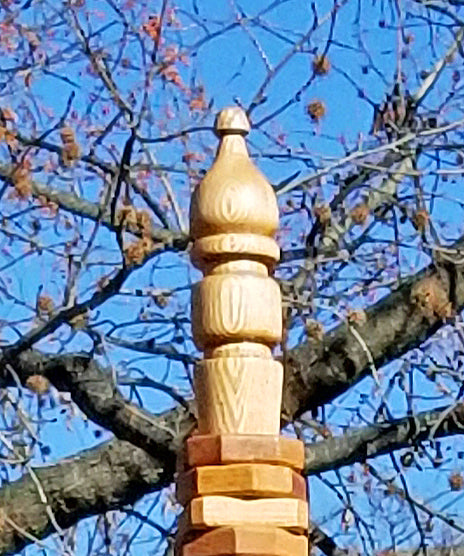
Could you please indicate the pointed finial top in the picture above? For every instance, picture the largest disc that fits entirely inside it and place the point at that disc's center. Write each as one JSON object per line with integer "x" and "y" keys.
{"x": 234, "y": 209}
{"x": 232, "y": 120}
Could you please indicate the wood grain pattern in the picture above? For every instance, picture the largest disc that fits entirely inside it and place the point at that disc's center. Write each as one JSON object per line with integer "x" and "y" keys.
{"x": 246, "y": 541}
{"x": 234, "y": 307}
{"x": 202, "y": 450}
{"x": 234, "y": 196}
{"x": 239, "y": 395}
{"x": 244, "y": 480}
{"x": 218, "y": 511}
{"x": 220, "y": 246}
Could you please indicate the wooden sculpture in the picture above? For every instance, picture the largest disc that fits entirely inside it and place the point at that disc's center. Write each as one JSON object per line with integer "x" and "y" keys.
{"x": 239, "y": 480}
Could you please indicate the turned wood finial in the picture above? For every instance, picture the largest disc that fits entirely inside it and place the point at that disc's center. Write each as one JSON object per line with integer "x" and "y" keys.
{"x": 238, "y": 479}
{"x": 236, "y": 308}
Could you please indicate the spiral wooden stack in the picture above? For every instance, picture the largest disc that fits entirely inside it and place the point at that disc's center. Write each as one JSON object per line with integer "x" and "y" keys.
{"x": 239, "y": 479}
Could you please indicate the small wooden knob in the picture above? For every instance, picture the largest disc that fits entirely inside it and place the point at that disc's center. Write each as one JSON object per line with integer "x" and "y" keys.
{"x": 232, "y": 120}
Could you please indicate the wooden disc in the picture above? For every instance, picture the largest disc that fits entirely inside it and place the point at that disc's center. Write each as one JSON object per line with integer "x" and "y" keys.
{"x": 246, "y": 541}
{"x": 224, "y": 449}
{"x": 207, "y": 512}
{"x": 243, "y": 480}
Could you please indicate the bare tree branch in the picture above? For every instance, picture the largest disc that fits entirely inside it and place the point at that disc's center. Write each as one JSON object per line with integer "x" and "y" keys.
{"x": 317, "y": 372}
{"x": 95, "y": 481}
{"x": 81, "y": 207}
{"x": 93, "y": 391}
{"x": 356, "y": 446}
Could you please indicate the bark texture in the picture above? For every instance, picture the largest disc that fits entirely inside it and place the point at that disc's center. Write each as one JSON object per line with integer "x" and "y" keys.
{"x": 368, "y": 442}
{"x": 317, "y": 372}
{"x": 104, "y": 478}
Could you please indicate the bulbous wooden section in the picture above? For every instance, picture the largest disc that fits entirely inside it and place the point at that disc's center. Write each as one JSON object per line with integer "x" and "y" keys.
{"x": 226, "y": 308}
{"x": 236, "y": 308}
{"x": 231, "y": 120}
{"x": 234, "y": 196}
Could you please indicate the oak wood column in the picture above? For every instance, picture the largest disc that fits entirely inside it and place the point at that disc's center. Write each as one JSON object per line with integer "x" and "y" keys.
{"x": 239, "y": 479}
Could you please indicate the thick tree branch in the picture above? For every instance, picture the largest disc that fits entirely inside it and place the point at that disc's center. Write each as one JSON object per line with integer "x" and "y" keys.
{"x": 93, "y": 391}
{"x": 317, "y": 372}
{"x": 356, "y": 446}
{"x": 95, "y": 481}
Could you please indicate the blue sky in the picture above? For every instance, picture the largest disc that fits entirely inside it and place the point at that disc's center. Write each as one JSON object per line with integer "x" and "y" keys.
{"x": 233, "y": 69}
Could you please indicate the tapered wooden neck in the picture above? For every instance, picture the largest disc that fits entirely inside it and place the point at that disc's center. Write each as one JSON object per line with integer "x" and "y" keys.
{"x": 234, "y": 145}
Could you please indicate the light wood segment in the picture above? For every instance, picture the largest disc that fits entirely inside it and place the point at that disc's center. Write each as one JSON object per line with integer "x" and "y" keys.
{"x": 202, "y": 450}
{"x": 239, "y": 395}
{"x": 219, "y": 511}
{"x": 231, "y": 120}
{"x": 234, "y": 196}
{"x": 239, "y": 349}
{"x": 235, "y": 307}
{"x": 259, "y": 480}
{"x": 246, "y": 541}
{"x": 221, "y": 246}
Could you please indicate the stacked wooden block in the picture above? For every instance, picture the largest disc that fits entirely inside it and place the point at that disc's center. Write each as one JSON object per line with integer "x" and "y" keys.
{"x": 238, "y": 479}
